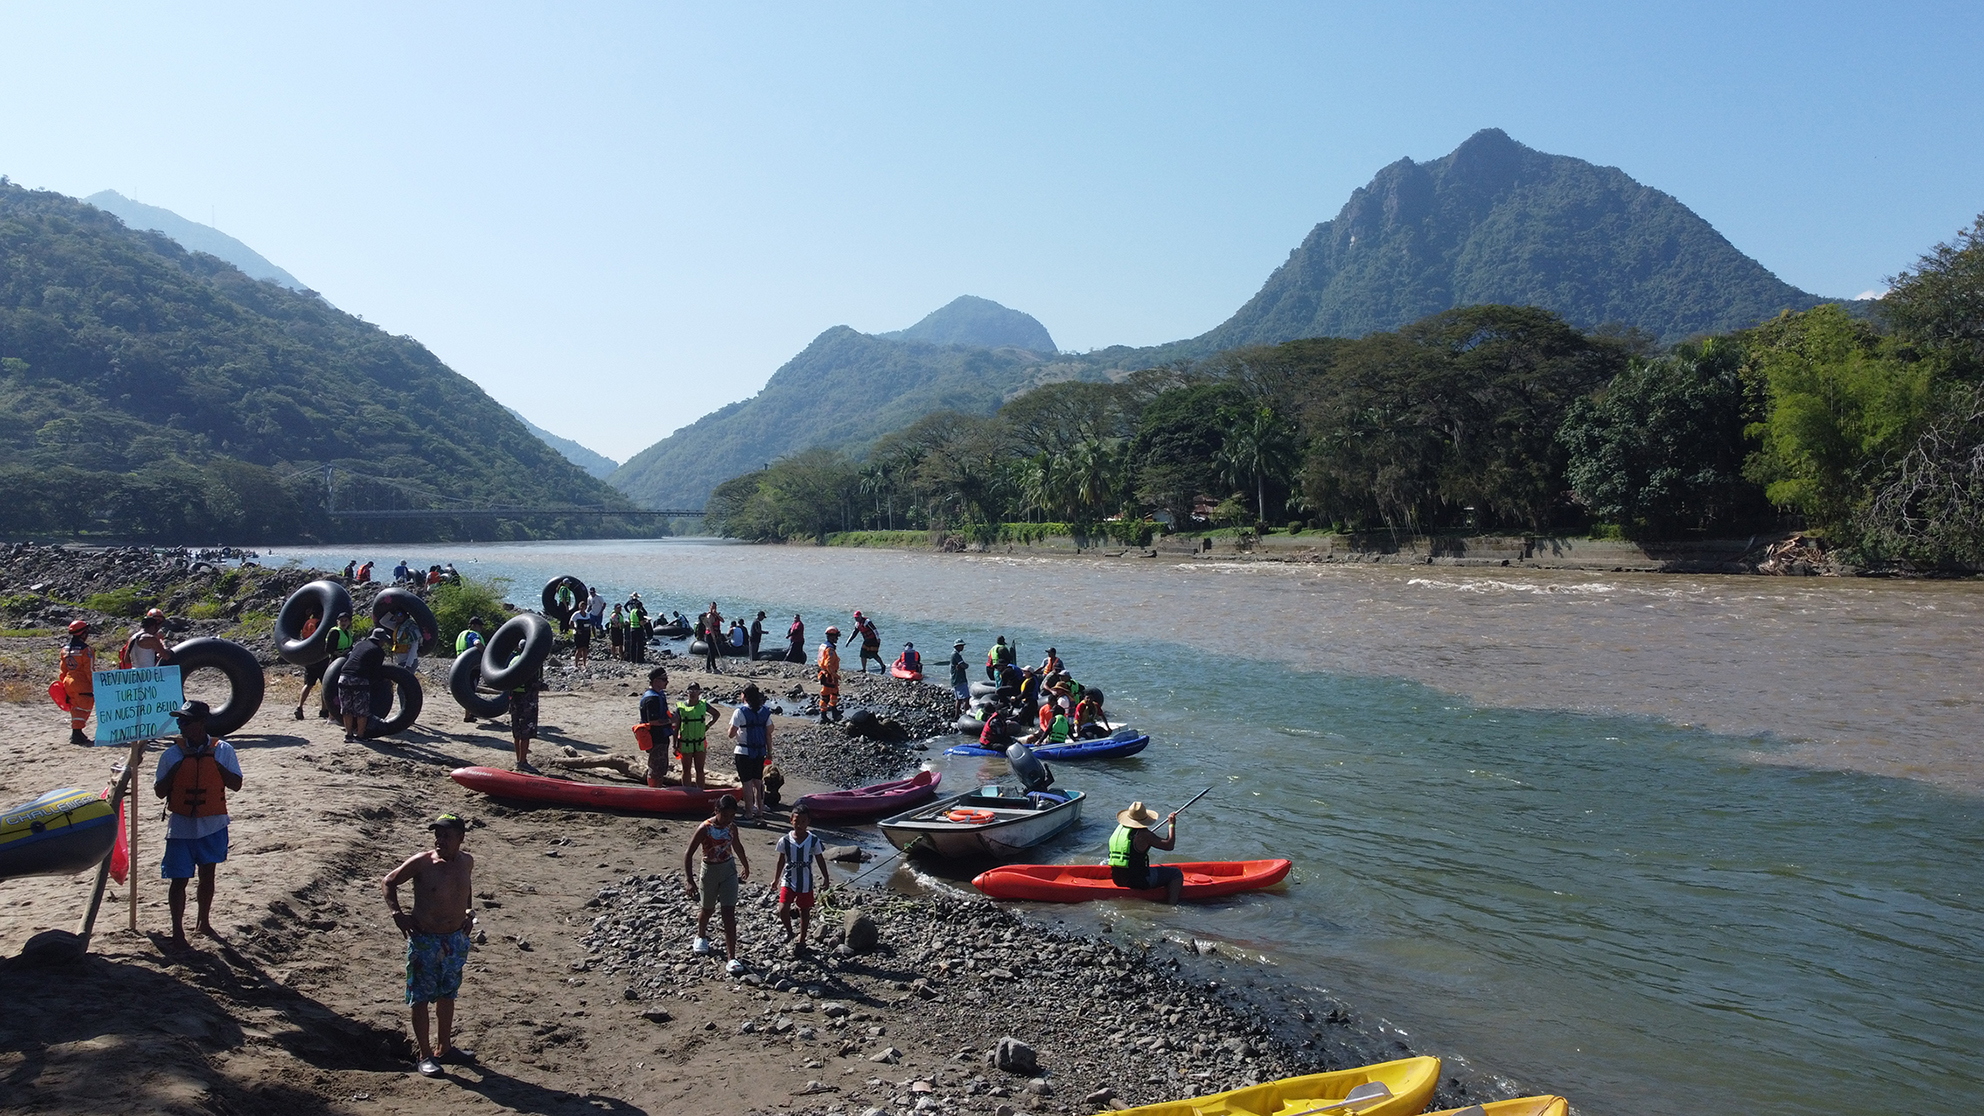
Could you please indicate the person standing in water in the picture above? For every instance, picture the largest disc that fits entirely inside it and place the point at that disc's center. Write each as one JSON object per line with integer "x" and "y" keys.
{"x": 437, "y": 934}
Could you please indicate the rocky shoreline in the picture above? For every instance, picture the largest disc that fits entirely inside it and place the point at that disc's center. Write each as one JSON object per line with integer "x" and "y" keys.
{"x": 956, "y": 1006}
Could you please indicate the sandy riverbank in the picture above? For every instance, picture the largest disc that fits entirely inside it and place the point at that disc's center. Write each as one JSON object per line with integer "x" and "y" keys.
{"x": 584, "y": 997}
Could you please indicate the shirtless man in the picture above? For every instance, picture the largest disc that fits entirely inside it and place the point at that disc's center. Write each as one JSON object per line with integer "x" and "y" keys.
{"x": 437, "y": 935}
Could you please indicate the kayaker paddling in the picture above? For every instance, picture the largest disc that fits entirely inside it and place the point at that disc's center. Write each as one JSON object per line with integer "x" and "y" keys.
{"x": 1129, "y": 851}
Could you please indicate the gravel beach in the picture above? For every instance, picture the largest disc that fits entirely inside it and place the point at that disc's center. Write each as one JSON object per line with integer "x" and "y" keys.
{"x": 582, "y": 994}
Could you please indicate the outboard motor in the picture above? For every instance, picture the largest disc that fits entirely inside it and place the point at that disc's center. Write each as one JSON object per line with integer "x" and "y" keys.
{"x": 1032, "y": 772}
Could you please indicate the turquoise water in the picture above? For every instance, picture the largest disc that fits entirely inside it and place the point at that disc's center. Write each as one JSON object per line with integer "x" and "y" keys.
{"x": 1642, "y": 916}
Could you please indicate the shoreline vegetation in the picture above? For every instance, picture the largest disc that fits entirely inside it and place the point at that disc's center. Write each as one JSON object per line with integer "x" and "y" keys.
{"x": 1785, "y": 553}
{"x": 1864, "y": 434}
{"x": 582, "y": 994}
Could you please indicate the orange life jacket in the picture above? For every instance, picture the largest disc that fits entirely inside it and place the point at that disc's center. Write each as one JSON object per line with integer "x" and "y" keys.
{"x": 197, "y": 790}
{"x": 75, "y": 667}
{"x": 829, "y": 666}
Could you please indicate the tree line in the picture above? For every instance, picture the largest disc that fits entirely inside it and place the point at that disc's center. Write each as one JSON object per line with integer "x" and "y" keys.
{"x": 1868, "y": 429}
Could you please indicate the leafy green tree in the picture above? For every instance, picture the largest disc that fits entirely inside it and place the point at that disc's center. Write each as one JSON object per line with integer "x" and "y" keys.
{"x": 1173, "y": 456}
{"x": 1661, "y": 448}
{"x": 1940, "y": 304}
{"x": 1260, "y": 447}
{"x": 1841, "y": 400}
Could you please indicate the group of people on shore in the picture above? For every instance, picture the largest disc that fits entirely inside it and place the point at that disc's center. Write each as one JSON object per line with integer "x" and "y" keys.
{"x": 405, "y": 575}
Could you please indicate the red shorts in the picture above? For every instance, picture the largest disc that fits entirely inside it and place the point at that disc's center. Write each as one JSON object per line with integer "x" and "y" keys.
{"x": 787, "y": 897}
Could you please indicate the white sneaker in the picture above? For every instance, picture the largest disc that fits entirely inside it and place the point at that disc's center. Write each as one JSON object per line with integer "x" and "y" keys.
{"x": 735, "y": 968}
{"x": 700, "y": 945}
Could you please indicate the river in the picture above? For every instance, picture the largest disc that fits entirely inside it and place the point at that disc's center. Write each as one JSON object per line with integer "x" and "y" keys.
{"x": 1664, "y": 844}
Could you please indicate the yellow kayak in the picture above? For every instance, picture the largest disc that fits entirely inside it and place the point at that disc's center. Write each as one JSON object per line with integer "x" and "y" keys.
{"x": 1520, "y": 1106}
{"x": 1399, "y": 1088}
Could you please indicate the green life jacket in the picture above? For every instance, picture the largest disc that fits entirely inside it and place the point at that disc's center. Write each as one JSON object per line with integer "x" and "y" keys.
{"x": 1119, "y": 847}
{"x": 339, "y": 642}
{"x": 469, "y": 638}
{"x": 564, "y": 597}
{"x": 695, "y": 720}
{"x": 1057, "y": 729}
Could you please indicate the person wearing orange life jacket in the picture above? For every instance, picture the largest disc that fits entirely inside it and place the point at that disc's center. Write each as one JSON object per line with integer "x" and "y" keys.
{"x": 829, "y": 675}
{"x": 194, "y": 776}
{"x": 910, "y": 661}
{"x": 74, "y": 668}
{"x": 146, "y": 646}
{"x": 1052, "y": 663}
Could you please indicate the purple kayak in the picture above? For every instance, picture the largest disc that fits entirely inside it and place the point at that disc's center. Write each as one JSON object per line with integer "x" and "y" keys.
{"x": 872, "y": 801}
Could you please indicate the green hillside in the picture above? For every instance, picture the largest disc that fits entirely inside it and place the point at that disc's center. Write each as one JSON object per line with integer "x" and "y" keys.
{"x": 146, "y": 392}
{"x": 845, "y": 389}
{"x": 980, "y": 323}
{"x": 193, "y": 236}
{"x": 1497, "y": 222}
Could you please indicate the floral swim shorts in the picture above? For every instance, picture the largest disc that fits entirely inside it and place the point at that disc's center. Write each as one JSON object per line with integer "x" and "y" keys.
{"x": 434, "y": 966}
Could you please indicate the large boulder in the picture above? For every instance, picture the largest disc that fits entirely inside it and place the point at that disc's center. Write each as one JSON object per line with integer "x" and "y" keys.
{"x": 1014, "y": 1056}
{"x": 859, "y": 932}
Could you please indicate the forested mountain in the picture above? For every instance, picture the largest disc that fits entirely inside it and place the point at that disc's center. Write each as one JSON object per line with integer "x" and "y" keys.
{"x": 979, "y": 323}
{"x": 846, "y": 389}
{"x": 1497, "y": 222}
{"x": 594, "y": 463}
{"x": 154, "y": 393}
{"x": 193, "y": 236}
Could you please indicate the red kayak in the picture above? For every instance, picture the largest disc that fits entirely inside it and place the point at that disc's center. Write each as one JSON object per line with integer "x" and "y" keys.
{"x": 498, "y": 783}
{"x": 906, "y": 674}
{"x": 1076, "y": 883}
{"x": 872, "y": 801}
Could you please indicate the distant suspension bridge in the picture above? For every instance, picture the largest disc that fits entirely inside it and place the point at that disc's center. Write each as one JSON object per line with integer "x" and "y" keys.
{"x": 334, "y": 512}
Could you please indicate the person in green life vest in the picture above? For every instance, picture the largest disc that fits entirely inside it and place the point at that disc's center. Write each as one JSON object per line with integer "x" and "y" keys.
{"x": 338, "y": 643}
{"x": 566, "y": 603}
{"x": 692, "y": 726}
{"x": 471, "y": 636}
{"x": 1129, "y": 851}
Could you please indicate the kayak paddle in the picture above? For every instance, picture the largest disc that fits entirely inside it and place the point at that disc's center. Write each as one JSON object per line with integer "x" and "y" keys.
{"x": 1363, "y": 1094}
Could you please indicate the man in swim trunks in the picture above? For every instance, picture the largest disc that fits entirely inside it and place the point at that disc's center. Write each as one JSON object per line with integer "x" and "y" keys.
{"x": 724, "y": 867}
{"x": 437, "y": 935}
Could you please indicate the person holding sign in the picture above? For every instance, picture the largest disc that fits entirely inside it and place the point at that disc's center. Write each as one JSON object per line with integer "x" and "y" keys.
{"x": 73, "y": 671}
{"x": 194, "y": 776}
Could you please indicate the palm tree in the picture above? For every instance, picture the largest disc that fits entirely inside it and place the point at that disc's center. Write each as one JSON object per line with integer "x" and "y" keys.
{"x": 1257, "y": 447}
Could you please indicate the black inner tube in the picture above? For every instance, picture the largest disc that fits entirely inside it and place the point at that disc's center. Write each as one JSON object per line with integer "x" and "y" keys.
{"x": 402, "y": 684}
{"x": 550, "y": 599}
{"x": 462, "y": 678}
{"x": 245, "y": 684}
{"x": 325, "y": 600}
{"x": 515, "y": 651}
{"x": 399, "y": 600}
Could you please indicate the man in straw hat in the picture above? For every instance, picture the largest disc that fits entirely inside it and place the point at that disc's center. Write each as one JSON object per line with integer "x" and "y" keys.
{"x": 437, "y": 935}
{"x": 1129, "y": 851}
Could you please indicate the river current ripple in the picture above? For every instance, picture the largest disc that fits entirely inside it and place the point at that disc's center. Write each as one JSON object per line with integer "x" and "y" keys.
{"x": 1664, "y": 844}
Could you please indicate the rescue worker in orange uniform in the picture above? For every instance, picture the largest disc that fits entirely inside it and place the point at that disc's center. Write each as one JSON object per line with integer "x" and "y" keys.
{"x": 829, "y": 667}
{"x": 74, "y": 668}
{"x": 194, "y": 775}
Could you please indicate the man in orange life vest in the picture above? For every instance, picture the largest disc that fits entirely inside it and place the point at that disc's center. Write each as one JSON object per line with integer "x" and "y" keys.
{"x": 75, "y": 670}
{"x": 194, "y": 776}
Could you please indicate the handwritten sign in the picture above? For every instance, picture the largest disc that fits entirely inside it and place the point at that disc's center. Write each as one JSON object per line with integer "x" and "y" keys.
{"x": 136, "y": 704}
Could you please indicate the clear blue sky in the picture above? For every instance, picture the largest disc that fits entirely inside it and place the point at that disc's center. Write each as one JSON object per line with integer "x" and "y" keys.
{"x": 616, "y": 219}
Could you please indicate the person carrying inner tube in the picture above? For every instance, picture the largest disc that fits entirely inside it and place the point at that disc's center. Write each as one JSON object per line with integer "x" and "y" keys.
{"x": 829, "y": 675}
{"x": 73, "y": 670}
{"x": 1129, "y": 851}
{"x": 523, "y": 717}
{"x": 355, "y": 682}
{"x": 338, "y": 642}
{"x": 568, "y": 602}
